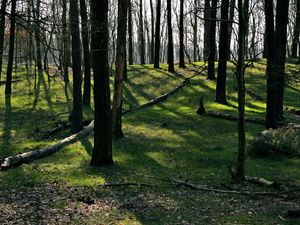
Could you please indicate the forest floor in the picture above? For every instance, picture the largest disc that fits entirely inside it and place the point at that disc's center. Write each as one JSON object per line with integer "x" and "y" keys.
{"x": 168, "y": 140}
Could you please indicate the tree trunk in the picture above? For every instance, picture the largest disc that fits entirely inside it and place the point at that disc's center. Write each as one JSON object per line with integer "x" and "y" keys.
{"x": 157, "y": 35}
{"x": 130, "y": 40}
{"x": 276, "y": 77}
{"x": 141, "y": 34}
{"x": 195, "y": 33}
{"x": 230, "y": 25}
{"x": 223, "y": 54}
{"x": 181, "y": 36}
{"x": 240, "y": 168}
{"x": 170, "y": 38}
{"x": 120, "y": 69}
{"x": 37, "y": 32}
{"x": 76, "y": 67}
{"x": 295, "y": 41}
{"x": 86, "y": 54}
{"x": 152, "y": 33}
{"x": 65, "y": 38}
{"x": 102, "y": 153}
{"x": 207, "y": 22}
{"x": 271, "y": 82}
{"x": 2, "y": 29}
{"x": 12, "y": 32}
{"x": 212, "y": 41}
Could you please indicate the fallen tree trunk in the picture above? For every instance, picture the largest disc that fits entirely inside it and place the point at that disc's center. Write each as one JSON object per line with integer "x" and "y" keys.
{"x": 232, "y": 117}
{"x": 32, "y": 155}
{"x": 26, "y": 157}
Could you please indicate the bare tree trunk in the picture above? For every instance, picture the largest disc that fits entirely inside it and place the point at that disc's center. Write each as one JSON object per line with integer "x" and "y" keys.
{"x": 2, "y": 29}
{"x": 207, "y": 22}
{"x": 181, "y": 36}
{"x": 212, "y": 41}
{"x": 141, "y": 34}
{"x": 86, "y": 54}
{"x": 120, "y": 70}
{"x": 12, "y": 32}
{"x": 240, "y": 168}
{"x": 65, "y": 36}
{"x": 223, "y": 54}
{"x": 195, "y": 33}
{"x": 170, "y": 38}
{"x": 230, "y": 25}
{"x": 102, "y": 153}
{"x": 157, "y": 35}
{"x": 130, "y": 40}
{"x": 76, "y": 67}
{"x": 152, "y": 33}
{"x": 295, "y": 41}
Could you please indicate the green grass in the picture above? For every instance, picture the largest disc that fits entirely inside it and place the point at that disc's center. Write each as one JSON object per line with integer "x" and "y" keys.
{"x": 167, "y": 140}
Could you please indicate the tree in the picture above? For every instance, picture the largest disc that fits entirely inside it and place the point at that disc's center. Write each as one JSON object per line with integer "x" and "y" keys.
{"x": 102, "y": 153}
{"x": 12, "y": 32}
{"x": 120, "y": 70}
{"x": 86, "y": 54}
{"x": 2, "y": 29}
{"x": 181, "y": 36}
{"x": 276, "y": 74}
{"x": 295, "y": 41}
{"x": 223, "y": 54}
{"x": 170, "y": 38}
{"x": 76, "y": 67}
{"x": 157, "y": 35}
{"x": 206, "y": 29}
{"x": 65, "y": 38}
{"x": 152, "y": 33}
{"x": 130, "y": 39}
{"x": 271, "y": 95}
{"x": 240, "y": 168}
{"x": 141, "y": 34}
{"x": 212, "y": 41}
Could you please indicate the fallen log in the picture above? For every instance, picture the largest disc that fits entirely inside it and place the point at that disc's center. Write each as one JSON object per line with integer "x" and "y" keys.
{"x": 32, "y": 155}
{"x": 119, "y": 184}
{"x": 26, "y": 157}
{"x": 232, "y": 117}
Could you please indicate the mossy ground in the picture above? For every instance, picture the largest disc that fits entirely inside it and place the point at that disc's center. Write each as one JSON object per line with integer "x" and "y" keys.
{"x": 167, "y": 140}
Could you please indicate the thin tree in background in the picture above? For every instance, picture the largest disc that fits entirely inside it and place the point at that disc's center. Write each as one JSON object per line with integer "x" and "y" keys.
{"x": 2, "y": 29}
{"x": 102, "y": 153}
{"x": 240, "y": 168}
{"x": 195, "y": 32}
{"x": 230, "y": 25}
{"x": 157, "y": 35}
{"x": 76, "y": 67}
{"x": 170, "y": 38}
{"x": 295, "y": 41}
{"x": 181, "y": 36}
{"x": 223, "y": 54}
{"x": 86, "y": 54}
{"x": 12, "y": 32}
{"x": 271, "y": 94}
{"x": 212, "y": 41}
{"x": 120, "y": 70}
{"x": 65, "y": 38}
{"x": 206, "y": 29}
{"x": 37, "y": 34}
{"x": 152, "y": 33}
{"x": 141, "y": 34}
{"x": 130, "y": 38}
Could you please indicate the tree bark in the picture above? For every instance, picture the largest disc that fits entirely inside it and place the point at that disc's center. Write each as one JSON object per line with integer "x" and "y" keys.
{"x": 212, "y": 41}
{"x": 102, "y": 153}
{"x": 230, "y": 25}
{"x": 2, "y": 29}
{"x": 11, "y": 47}
{"x": 130, "y": 39}
{"x": 120, "y": 69}
{"x": 76, "y": 67}
{"x": 65, "y": 38}
{"x": 240, "y": 167}
{"x": 170, "y": 38}
{"x": 141, "y": 34}
{"x": 157, "y": 35}
{"x": 223, "y": 54}
{"x": 86, "y": 54}
{"x": 295, "y": 41}
{"x": 181, "y": 36}
{"x": 206, "y": 29}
